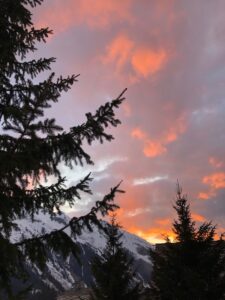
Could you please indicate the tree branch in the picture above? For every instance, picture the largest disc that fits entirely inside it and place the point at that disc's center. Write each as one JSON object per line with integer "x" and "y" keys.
{"x": 75, "y": 224}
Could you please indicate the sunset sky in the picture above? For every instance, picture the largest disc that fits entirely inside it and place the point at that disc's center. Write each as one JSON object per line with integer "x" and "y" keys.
{"x": 170, "y": 54}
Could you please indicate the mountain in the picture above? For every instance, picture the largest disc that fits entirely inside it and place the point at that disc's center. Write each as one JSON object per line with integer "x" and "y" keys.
{"x": 60, "y": 274}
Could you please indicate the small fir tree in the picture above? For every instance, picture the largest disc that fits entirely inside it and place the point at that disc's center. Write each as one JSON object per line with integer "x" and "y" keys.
{"x": 32, "y": 145}
{"x": 194, "y": 266}
{"x": 112, "y": 271}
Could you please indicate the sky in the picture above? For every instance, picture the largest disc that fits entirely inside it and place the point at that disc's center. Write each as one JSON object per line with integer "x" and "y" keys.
{"x": 170, "y": 54}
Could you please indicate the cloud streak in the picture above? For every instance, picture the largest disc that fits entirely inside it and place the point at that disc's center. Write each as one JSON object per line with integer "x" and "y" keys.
{"x": 147, "y": 180}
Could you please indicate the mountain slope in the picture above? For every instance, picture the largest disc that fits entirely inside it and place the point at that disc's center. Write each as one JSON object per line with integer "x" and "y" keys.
{"x": 62, "y": 274}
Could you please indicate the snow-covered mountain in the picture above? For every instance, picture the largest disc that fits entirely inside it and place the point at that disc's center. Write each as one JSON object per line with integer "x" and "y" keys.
{"x": 61, "y": 274}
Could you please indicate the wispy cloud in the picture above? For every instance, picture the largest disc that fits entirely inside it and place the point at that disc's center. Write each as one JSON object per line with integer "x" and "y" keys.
{"x": 101, "y": 165}
{"x": 148, "y": 180}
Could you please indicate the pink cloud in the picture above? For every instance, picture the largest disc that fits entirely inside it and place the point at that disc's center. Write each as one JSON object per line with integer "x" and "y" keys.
{"x": 204, "y": 195}
{"x": 118, "y": 52}
{"x": 94, "y": 14}
{"x": 171, "y": 57}
{"x": 198, "y": 217}
{"x": 138, "y": 133}
{"x": 147, "y": 61}
{"x": 153, "y": 148}
{"x": 215, "y": 180}
{"x": 124, "y": 52}
{"x": 175, "y": 130}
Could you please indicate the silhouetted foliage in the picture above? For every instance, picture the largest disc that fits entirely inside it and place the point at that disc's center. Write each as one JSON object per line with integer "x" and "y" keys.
{"x": 194, "y": 266}
{"x": 113, "y": 275}
{"x": 32, "y": 146}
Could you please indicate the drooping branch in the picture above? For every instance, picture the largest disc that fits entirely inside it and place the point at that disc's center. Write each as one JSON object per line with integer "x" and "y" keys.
{"x": 77, "y": 223}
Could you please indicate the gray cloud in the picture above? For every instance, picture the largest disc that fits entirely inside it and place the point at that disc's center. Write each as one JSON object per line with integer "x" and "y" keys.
{"x": 176, "y": 102}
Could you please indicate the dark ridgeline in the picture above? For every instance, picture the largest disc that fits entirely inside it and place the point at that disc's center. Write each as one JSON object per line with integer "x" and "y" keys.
{"x": 194, "y": 266}
{"x": 32, "y": 145}
{"x": 112, "y": 271}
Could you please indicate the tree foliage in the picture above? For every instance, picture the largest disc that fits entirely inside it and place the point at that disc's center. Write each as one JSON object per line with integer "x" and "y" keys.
{"x": 32, "y": 145}
{"x": 194, "y": 266}
{"x": 113, "y": 275}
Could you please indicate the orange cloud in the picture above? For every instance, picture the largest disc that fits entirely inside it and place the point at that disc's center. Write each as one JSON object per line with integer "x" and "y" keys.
{"x": 157, "y": 234}
{"x": 175, "y": 130}
{"x": 119, "y": 51}
{"x": 164, "y": 222}
{"x": 146, "y": 61}
{"x": 153, "y": 235}
{"x": 204, "y": 196}
{"x": 171, "y": 136}
{"x": 153, "y": 149}
{"x": 216, "y": 180}
{"x": 138, "y": 133}
{"x": 197, "y": 217}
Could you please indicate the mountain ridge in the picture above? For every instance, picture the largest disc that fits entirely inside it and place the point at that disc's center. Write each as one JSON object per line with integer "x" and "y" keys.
{"x": 59, "y": 274}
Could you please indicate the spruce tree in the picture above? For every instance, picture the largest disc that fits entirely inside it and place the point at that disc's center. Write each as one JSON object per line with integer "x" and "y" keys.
{"x": 32, "y": 145}
{"x": 112, "y": 271}
{"x": 194, "y": 266}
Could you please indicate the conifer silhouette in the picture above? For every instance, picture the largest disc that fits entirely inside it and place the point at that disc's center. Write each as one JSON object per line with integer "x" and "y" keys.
{"x": 113, "y": 275}
{"x": 32, "y": 145}
{"x": 194, "y": 266}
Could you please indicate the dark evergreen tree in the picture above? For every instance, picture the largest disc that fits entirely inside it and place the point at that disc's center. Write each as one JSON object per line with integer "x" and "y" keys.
{"x": 194, "y": 266}
{"x": 32, "y": 145}
{"x": 114, "y": 278}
